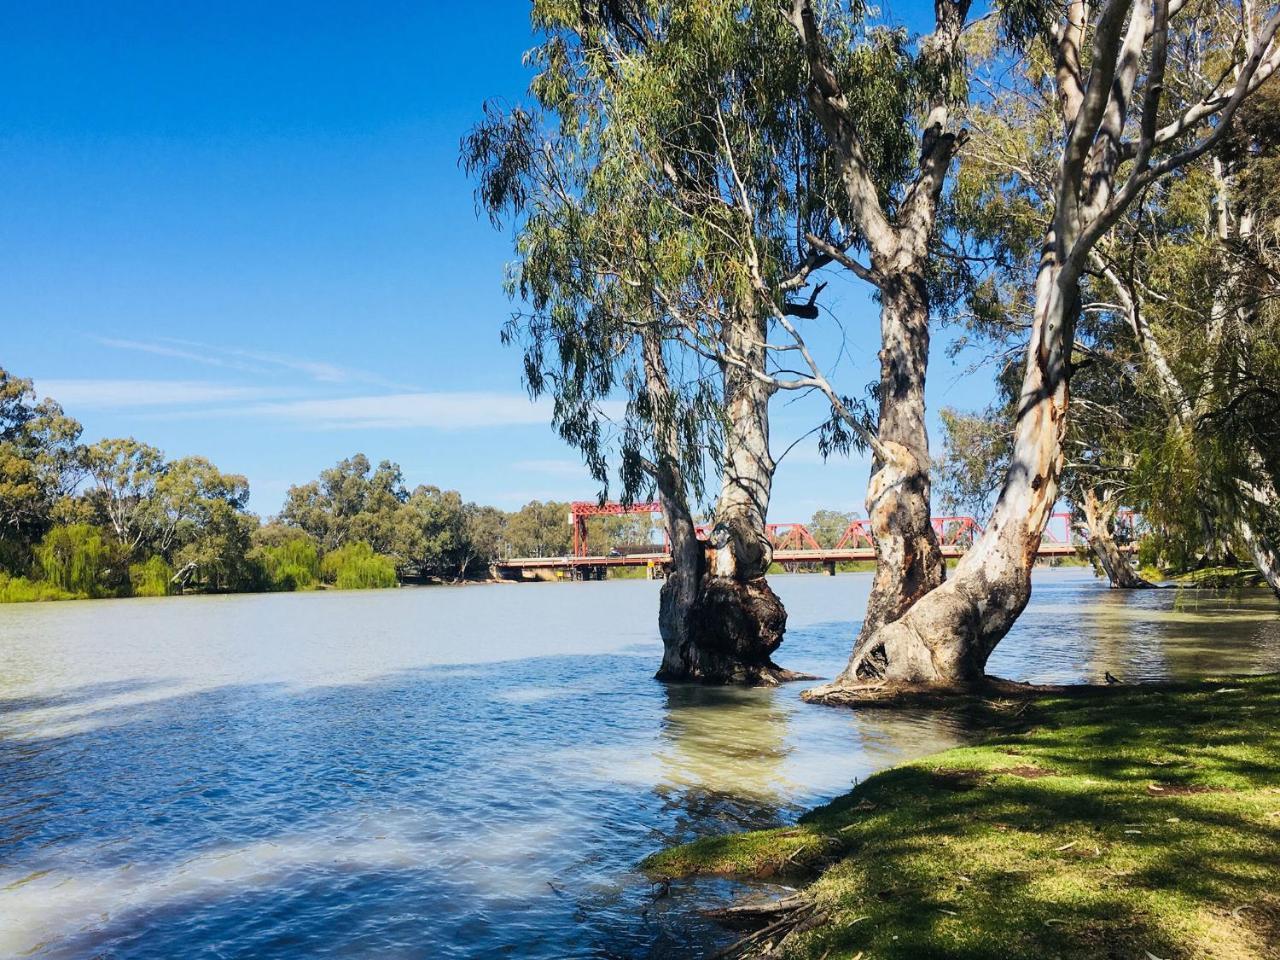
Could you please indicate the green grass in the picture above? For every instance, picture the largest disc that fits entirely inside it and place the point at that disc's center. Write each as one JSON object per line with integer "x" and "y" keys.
{"x": 1117, "y": 824}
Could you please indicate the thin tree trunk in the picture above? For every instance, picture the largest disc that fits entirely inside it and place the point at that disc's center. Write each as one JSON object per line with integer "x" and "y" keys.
{"x": 1099, "y": 516}
{"x": 909, "y": 562}
{"x": 1262, "y": 548}
{"x": 1263, "y": 552}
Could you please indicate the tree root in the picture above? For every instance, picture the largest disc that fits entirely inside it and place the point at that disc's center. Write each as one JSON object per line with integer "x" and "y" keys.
{"x": 889, "y": 694}
{"x": 774, "y": 675}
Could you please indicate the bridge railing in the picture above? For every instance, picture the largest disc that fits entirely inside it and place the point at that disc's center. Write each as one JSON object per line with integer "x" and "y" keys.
{"x": 1062, "y": 530}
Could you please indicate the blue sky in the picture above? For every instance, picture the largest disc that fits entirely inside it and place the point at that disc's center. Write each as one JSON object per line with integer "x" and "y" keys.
{"x": 240, "y": 230}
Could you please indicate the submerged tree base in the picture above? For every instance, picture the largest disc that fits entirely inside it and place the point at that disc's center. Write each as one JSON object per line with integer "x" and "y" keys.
{"x": 734, "y": 628}
{"x": 1125, "y": 822}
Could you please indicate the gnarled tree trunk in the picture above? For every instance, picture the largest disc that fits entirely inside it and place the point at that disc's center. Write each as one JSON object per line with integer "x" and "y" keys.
{"x": 1100, "y": 516}
{"x": 739, "y": 619}
{"x": 719, "y": 618}
{"x": 945, "y": 638}
{"x": 909, "y": 562}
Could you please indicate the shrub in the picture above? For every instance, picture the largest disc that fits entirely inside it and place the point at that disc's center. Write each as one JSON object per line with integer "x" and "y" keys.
{"x": 152, "y": 578}
{"x": 74, "y": 559}
{"x": 357, "y": 567}
{"x": 22, "y": 590}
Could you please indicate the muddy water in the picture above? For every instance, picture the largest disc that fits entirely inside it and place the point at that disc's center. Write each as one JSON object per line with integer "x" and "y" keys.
{"x": 451, "y": 772}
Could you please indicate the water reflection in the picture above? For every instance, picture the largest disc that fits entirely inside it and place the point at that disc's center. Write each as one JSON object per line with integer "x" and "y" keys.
{"x": 408, "y": 775}
{"x": 721, "y": 755}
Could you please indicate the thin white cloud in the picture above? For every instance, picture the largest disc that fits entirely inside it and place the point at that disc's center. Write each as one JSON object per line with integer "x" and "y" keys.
{"x": 248, "y": 361}
{"x": 442, "y": 411}
{"x": 166, "y": 349}
{"x": 90, "y": 394}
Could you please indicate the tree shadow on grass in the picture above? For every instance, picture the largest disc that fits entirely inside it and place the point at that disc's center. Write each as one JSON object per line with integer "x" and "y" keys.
{"x": 1146, "y": 829}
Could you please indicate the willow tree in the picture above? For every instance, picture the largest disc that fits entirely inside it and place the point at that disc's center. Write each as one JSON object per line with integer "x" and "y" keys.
{"x": 1121, "y": 130}
{"x": 659, "y": 187}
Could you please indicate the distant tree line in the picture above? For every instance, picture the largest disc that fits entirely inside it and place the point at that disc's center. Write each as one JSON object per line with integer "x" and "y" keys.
{"x": 118, "y": 518}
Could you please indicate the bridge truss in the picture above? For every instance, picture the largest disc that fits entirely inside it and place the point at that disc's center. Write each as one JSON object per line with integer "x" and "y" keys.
{"x": 795, "y": 542}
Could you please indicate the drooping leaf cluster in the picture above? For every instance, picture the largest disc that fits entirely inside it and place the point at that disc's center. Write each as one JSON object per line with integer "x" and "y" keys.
{"x": 662, "y": 184}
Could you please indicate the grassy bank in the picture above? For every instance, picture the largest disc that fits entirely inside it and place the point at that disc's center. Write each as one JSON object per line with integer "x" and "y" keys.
{"x": 1221, "y": 578}
{"x": 1140, "y": 823}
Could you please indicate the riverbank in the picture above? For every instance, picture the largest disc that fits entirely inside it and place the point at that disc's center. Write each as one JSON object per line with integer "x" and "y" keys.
{"x": 1138, "y": 823}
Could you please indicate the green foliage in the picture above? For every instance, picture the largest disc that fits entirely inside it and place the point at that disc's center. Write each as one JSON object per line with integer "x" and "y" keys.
{"x": 74, "y": 559}
{"x": 151, "y": 578}
{"x": 351, "y": 500}
{"x": 659, "y": 185}
{"x": 22, "y": 590}
{"x": 356, "y": 567}
{"x": 540, "y": 530}
{"x": 293, "y": 563}
{"x": 431, "y": 535}
{"x": 976, "y": 449}
{"x": 828, "y": 526}
{"x": 124, "y": 472}
{"x": 219, "y": 559}
{"x": 38, "y": 467}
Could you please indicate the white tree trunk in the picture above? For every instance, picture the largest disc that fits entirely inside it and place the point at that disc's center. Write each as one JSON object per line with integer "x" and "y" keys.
{"x": 947, "y": 635}
{"x": 909, "y": 562}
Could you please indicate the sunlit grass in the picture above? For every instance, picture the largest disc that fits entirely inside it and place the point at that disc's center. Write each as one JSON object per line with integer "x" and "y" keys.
{"x": 1137, "y": 824}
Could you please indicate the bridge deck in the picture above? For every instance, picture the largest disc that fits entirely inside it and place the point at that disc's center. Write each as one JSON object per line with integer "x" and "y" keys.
{"x": 951, "y": 551}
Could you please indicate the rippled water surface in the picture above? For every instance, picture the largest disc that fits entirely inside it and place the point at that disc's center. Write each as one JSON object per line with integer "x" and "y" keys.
{"x": 451, "y": 772}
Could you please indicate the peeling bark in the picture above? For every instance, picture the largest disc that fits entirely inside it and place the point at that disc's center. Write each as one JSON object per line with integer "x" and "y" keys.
{"x": 909, "y": 561}
{"x": 945, "y": 638}
{"x": 739, "y": 619}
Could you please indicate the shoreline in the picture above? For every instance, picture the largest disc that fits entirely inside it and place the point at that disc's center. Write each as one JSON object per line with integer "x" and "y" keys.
{"x": 1138, "y": 822}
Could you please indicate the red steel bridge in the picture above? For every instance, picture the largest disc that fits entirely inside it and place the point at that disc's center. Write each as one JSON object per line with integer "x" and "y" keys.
{"x": 793, "y": 543}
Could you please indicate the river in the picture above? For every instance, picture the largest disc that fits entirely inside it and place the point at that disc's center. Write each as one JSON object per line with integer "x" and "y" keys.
{"x": 453, "y": 772}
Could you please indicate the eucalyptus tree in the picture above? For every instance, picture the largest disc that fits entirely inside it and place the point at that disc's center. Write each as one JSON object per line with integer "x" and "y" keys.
{"x": 662, "y": 194}
{"x": 39, "y": 458}
{"x": 1111, "y": 412}
{"x": 124, "y": 473}
{"x": 890, "y": 213}
{"x": 1120, "y": 131}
